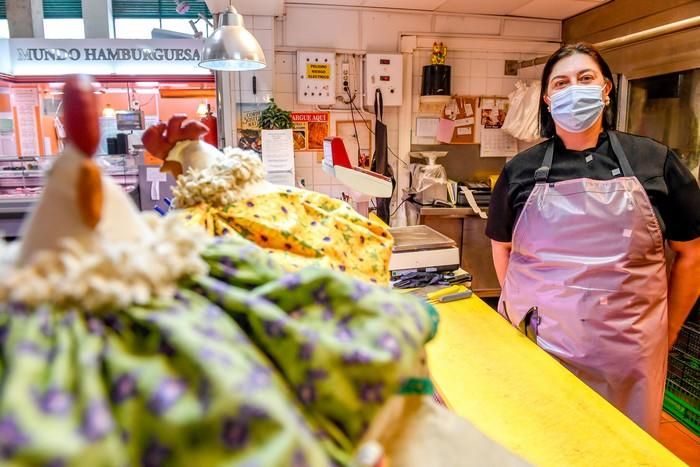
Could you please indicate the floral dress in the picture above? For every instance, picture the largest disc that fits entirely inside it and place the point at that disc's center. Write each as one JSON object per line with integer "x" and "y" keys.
{"x": 249, "y": 365}
{"x": 301, "y": 228}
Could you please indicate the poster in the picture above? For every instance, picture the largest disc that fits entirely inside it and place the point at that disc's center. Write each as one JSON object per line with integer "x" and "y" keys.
{"x": 494, "y": 141}
{"x": 310, "y": 129}
{"x": 458, "y": 123}
{"x": 248, "y": 131}
{"x": 26, "y": 103}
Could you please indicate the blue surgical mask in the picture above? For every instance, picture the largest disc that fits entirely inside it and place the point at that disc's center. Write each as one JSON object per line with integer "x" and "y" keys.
{"x": 577, "y": 107}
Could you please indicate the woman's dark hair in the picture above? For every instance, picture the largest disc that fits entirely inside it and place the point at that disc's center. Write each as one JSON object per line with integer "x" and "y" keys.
{"x": 547, "y": 128}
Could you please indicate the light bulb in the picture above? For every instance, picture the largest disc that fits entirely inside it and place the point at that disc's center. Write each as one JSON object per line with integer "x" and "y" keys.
{"x": 202, "y": 109}
{"x": 108, "y": 111}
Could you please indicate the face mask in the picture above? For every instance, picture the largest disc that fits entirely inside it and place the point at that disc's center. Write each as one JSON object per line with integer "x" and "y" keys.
{"x": 577, "y": 107}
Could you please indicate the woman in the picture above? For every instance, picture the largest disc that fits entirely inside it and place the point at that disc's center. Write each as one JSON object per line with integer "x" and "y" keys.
{"x": 578, "y": 225}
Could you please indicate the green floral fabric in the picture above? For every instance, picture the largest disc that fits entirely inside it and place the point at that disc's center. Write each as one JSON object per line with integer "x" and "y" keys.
{"x": 248, "y": 366}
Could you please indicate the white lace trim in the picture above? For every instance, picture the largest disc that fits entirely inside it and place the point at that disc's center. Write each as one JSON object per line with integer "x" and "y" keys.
{"x": 100, "y": 274}
{"x": 220, "y": 184}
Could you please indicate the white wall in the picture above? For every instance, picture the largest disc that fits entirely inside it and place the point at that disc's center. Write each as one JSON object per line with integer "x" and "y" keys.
{"x": 477, "y": 49}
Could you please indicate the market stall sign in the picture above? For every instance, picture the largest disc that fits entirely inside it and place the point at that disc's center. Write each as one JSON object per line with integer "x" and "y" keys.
{"x": 28, "y": 57}
{"x": 310, "y": 129}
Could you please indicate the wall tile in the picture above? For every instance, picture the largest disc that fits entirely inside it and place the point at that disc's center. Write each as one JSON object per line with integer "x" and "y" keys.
{"x": 477, "y": 86}
{"x": 325, "y": 189}
{"x": 284, "y": 63}
{"x": 263, "y": 22}
{"x": 495, "y": 68}
{"x": 265, "y": 38}
{"x": 306, "y": 174}
{"x": 479, "y": 68}
{"x": 321, "y": 177}
{"x": 460, "y": 67}
{"x": 285, "y": 100}
{"x": 304, "y": 159}
{"x": 494, "y": 86}
{"x": 285, "y": 82}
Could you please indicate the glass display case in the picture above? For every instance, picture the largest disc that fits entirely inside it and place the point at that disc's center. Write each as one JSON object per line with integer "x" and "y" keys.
{"x": 22, "y": 180}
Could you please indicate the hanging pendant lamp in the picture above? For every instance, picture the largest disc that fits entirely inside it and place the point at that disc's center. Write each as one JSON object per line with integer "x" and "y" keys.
{"x": 231, "y": 47}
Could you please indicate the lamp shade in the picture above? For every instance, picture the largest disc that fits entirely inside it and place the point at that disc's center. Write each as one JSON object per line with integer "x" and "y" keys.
{"x": 231, "y": 47}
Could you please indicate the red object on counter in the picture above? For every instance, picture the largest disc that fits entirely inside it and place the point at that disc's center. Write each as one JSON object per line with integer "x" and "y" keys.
{"x": 209, "y": 120}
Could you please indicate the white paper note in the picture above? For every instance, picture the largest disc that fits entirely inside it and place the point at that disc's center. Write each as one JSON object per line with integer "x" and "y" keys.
{"x": 278, "y": 150}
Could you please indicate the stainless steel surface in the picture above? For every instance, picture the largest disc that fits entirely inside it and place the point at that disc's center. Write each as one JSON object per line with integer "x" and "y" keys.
{"x": 231, "y": 47}
{"x": 419, "y": 237}
{"x": 455, "y": 212}
{"x": 512, "y": 66}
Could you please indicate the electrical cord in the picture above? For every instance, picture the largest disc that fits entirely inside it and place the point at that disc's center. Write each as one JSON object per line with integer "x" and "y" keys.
{"x": 359, "y": 111}
{"x": 397, "y": 208}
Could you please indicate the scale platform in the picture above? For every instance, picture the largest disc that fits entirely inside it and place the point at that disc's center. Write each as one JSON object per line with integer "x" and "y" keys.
{"x": 420, "y": 248}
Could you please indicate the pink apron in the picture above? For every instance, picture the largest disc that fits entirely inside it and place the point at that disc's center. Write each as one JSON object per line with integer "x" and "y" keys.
{"x": 587, "y": 281}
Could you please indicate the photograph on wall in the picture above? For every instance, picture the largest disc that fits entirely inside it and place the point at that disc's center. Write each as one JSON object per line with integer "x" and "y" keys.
{"x": 248, "y": 131}
{"x": 310, "y": 129}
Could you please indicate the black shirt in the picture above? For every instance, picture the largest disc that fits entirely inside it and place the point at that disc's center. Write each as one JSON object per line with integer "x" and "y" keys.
{"x": 672, "y": 189}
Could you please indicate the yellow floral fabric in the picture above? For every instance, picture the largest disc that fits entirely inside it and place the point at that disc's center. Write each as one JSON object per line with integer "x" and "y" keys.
{"x": 302, "y": 228}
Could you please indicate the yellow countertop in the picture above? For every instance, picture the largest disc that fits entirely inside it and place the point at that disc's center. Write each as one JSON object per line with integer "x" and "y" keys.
{"x": 514, "y": 392}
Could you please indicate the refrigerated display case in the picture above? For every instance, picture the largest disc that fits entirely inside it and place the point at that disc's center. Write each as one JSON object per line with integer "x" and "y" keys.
{"x": 22, "y": 180}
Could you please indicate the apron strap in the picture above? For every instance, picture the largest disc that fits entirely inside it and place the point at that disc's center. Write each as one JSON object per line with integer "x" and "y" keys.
{"x": 620, "y": 154}
{"x": 378, "y": 104}
{"x": 542, "y": 173}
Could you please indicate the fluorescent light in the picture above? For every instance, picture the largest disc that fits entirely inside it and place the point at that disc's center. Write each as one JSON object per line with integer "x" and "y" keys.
{"x": 147, "y": 84}
{"x": 231, "y": 47}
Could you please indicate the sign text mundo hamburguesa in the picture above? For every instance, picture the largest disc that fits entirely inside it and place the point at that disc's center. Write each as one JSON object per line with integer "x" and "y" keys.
{"x": 91, "y": 54}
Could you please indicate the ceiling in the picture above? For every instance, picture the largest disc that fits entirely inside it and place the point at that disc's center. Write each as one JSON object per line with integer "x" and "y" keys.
{"x": 550, "y": 9}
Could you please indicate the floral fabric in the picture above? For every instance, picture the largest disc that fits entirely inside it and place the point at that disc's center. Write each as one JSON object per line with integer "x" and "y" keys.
{"x": 250, "y": 365}
{"x": 301, "y": 228}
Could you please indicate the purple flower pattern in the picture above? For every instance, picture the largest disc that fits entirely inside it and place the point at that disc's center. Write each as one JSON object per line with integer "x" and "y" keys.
{"x": 306, "y": 351}
{"x": 166, "y": 395}
{"x": 390, "y": 344}
{"x": 299, "y": 459}
{"x": 123, "y": 388}
{"x": 11, "y": 437}
{"x": 371, "y": 393}
{"x": 54, "y": 402}
{"x": 97, "y": 421}
{"x": 357, "y": 357}
{"x": 235, "y": 433}
{"x": 306, "y": 393}
{"x": 274, "y": 329}
{"x": 155, "y": 454}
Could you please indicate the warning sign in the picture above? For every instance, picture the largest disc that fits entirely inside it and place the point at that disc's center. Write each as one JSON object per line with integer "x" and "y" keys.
{"x": 318, "y": 70}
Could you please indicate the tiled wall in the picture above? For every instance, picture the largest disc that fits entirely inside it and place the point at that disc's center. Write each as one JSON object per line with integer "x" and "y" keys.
{"x": 475, "y": 72}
